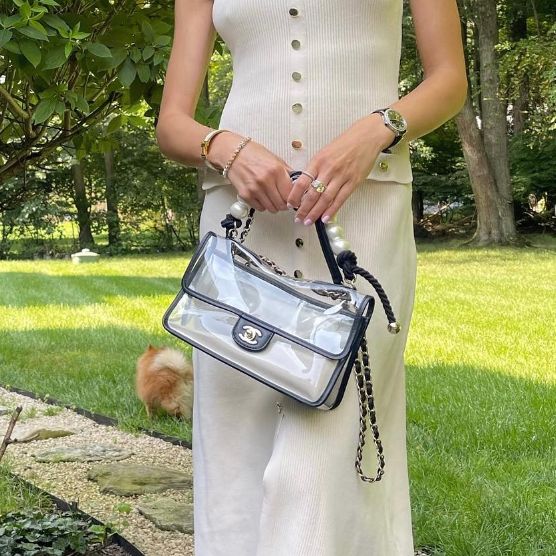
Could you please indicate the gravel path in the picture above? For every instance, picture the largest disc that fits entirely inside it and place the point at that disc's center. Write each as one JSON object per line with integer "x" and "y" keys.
{"x": 69, "y": 481}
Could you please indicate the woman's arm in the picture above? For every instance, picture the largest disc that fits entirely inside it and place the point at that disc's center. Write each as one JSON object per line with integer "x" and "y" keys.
{"x": 258, "y": 175}
{"x": 442, "y": 93}
{"x": 344, "y": 163}
{"x": 178, "y": 134}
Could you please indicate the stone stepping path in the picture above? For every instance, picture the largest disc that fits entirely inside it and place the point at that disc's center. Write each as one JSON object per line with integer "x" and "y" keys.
{"x": 23, "y": 434}
{"x": 169, "y": 515}
{"x": 93, "y": 452}
{"x": 60, "y": 454}
{"x": 127, "y": 480}
{"x": 77, "y": 459}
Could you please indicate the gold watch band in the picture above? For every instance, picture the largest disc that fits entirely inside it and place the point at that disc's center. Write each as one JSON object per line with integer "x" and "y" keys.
{"x": 205, "y": 143}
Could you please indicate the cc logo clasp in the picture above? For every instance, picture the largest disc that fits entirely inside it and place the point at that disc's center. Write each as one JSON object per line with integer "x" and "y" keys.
{"x": 250, "y": 335}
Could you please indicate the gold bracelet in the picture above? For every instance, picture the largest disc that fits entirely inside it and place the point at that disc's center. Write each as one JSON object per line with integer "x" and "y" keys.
{"x": 205, "y": 143}
{"x": 236, "y": 152}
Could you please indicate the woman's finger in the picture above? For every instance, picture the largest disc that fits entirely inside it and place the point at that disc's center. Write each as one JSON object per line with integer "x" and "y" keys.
{"x": 285, "y": 184}
{"x": 262, "y": 195}
{"x": 251, "y": 200}
{"x": 273, "y": 192}
{"x": 300, "y": 185}
{"x": 325, "y": 200}
{"x": 344, "y": 192}
{"x": 309, "y": 200}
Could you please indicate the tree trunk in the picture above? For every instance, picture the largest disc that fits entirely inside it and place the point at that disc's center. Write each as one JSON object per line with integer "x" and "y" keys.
{"x": 518, "y": 31}
{"x": 112, "y": 216}
{"x": 489, "y": 228}
{"x": 493, "y": 118}
{"x": 82, "y": 205}
{"x": 520, "y": 105}
{"x": 417, "y": 206}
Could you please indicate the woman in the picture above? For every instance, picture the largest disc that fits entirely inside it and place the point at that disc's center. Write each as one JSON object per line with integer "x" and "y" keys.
{"x": 271, "y": 476}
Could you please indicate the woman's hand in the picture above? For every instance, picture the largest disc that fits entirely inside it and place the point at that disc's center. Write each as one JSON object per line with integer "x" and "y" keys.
{"x": 260, "y": 177}
{"x": 340, "y": 166}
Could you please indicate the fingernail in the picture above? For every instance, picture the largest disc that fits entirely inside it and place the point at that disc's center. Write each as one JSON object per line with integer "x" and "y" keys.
{"x": 307, "y": 222}
{"x": 289, "y": 206}
{"x": 297, "y": 220}
{"x": 325, "y": 218}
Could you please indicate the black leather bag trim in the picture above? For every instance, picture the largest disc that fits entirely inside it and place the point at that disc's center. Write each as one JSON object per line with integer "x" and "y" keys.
{"x": 333, "y": 267}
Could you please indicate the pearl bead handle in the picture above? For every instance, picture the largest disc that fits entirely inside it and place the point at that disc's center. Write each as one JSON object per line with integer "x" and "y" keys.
{"x": 239, "y": 209}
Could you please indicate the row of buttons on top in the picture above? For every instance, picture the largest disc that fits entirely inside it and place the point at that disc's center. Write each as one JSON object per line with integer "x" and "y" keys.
{"x": 296, "y": 76}
{"x": 298, "y": 107}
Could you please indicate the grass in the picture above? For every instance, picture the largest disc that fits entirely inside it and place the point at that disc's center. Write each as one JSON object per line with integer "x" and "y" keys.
{"x": 74, "y": 331}
{"x": 481, "y": 381}
{"x": 15, "y": 495}
{"x": 481, "y": 387}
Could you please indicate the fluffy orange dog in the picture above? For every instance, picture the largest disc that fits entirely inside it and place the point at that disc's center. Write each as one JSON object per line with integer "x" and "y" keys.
{"x": 164, "y": 379}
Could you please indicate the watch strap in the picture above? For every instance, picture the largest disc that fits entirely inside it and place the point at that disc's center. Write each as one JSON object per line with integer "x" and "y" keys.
{"x": 398, "y": 137}
{"x": 396, "y": 140}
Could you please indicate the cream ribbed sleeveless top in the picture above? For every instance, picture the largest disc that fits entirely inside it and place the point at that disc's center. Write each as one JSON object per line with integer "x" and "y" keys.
{"x": 305, "y": 70}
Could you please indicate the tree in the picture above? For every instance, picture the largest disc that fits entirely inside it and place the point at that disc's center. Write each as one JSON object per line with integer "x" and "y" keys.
{"x": 82, "y": 204}
{"x": 66, "y": 66}
{"x": 485, "y": 148}
{"x": 506, "y": 98}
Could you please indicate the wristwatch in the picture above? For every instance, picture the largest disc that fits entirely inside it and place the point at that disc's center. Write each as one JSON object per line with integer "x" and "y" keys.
{"x": 396, "y": 122}
{"x": 205, "y": 143}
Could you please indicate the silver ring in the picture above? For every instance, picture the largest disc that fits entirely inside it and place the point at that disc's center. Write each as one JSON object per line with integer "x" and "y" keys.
{"x": 308, "y": 175}
{"x": 318, "y": 186}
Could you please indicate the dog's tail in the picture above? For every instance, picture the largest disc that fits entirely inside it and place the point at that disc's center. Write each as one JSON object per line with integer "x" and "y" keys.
{"x": 168, "y": 358}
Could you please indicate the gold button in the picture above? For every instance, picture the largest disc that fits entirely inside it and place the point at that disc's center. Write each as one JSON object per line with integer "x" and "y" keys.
{"x": 296, "y": 76}
{"x": 298, "y": 274}
{"x": 294, "y": 11}
{"x": 383, "y": 165}
{"x": 296, "y": 44}
{"x": 297, "y": 107}
{"x": 299, "y": 242}
{"x": 297, "y": 144}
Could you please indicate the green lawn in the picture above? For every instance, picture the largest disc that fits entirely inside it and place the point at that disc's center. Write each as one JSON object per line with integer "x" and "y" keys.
{"x": 481, "y": 391}
{"x": 481, "y": 380}
{"x": 75, "y": 331}
{"x": 19, "y": 496}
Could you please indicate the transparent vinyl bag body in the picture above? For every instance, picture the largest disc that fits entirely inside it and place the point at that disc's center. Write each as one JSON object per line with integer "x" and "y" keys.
{"x": 311, "y": 330}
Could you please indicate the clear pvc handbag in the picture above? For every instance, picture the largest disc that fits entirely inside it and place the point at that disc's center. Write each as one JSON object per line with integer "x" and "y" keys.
{"x": 301, "y": 337}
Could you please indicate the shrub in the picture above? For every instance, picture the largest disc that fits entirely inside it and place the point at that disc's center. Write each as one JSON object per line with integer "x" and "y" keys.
{"x": 35, "y": 533}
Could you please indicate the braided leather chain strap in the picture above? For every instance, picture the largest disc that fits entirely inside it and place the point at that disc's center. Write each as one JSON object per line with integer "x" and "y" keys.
{"x": 366, "y": 407}
{"x": 361, "y": 366}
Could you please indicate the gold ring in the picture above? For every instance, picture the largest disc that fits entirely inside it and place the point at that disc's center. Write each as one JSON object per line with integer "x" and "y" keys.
{"x": 308, "y": 175}
{"x": 318, "y": 186}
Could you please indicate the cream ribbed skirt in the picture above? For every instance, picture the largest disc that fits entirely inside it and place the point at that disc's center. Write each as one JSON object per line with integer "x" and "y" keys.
{"x": 283, "y": 483}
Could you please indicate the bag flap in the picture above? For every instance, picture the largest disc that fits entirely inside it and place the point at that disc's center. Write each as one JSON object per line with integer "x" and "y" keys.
{"x": 321, "y": 316}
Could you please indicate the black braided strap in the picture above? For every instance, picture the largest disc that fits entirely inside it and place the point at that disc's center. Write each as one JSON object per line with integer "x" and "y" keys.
{"x": 347, "y": 261}
{"x": 367, "y": 409}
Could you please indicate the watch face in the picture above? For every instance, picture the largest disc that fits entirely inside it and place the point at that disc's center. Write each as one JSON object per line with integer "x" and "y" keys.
{"x": 396, "y": 120}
